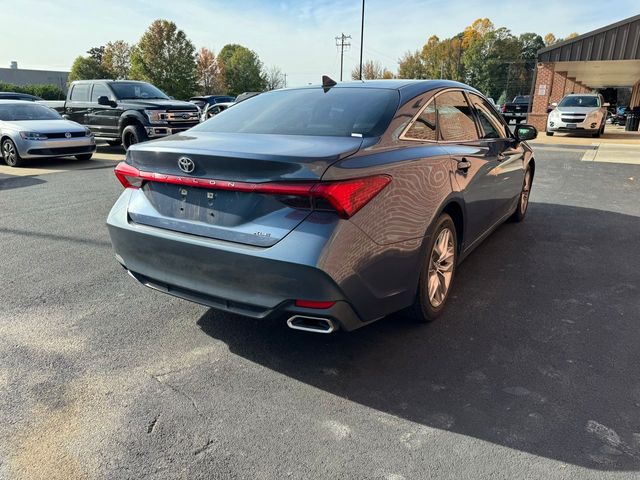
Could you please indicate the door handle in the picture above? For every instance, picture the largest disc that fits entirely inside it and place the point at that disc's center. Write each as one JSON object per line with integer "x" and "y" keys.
{"x": 464, "y": 165}
{"x": 89, "y": 110}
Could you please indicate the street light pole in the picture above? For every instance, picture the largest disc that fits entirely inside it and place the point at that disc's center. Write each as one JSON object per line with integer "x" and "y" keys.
{"x": 361, "y": 39}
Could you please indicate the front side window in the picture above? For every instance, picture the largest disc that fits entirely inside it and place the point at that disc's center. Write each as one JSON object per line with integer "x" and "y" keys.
{"x": 425, "y": 126}
{"x": 99, "y": 90}
{"x": 490, "y": 123}
{"x": 455, "y": 118}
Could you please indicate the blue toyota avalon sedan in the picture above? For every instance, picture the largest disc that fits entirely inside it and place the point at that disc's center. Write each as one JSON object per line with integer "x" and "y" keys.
{"x": 328, "y": 206}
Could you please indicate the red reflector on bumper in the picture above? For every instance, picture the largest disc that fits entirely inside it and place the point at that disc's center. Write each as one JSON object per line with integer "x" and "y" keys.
{"x": 312, "y": 304}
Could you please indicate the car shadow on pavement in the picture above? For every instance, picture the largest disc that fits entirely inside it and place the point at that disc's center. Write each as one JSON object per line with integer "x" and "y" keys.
{"x": 537, "y": 351}
{"x": 8, "y": 182}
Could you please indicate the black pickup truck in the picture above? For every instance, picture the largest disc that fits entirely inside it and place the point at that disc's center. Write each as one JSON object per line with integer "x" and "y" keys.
{"x": 518, "y": 109}
{"x": 125, "y": 111}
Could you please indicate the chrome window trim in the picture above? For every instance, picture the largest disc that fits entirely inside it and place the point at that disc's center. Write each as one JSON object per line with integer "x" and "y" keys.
{"x": 403, "y": 136}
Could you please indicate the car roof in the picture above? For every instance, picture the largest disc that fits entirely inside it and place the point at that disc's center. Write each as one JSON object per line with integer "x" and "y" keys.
{"x": 583, "y": 95}
{"x": 6, "y": 101}
{"x": 407, "y": 88}
{"x": 107, "y": 80}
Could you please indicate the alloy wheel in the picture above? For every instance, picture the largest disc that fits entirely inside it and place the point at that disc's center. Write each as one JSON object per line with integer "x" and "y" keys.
{"x": 441, "y": 263}
{"x": 9, "y": 153}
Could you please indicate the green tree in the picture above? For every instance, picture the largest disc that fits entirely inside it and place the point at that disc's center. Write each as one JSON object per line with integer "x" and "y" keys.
{"x": 242, "y": 69}
{"x": 116, "y": 59}
{"x": 87, "y": 68}
{"x": 165, "y": 57}
{"x": 410, "y": 66}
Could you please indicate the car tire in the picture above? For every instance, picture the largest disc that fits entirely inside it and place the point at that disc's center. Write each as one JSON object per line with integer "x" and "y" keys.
{"x": 596, "y": 134}
{"x": 549, "y": 134}
{"x": 84, "y": 156}
{"x": 437, "y": 273}
{"x": 523, "y": 198}
{"x": 10, "y": 153}
{"x": 133, "y": 134}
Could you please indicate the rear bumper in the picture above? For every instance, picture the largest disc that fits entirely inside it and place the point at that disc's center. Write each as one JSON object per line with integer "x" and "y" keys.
{"x": 253, "y": 281}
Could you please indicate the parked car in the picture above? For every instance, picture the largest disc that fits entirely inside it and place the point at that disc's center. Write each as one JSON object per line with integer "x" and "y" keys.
{"x": 517, "y": 110}
{"x": 332, "y": 206}
{"x": 213, "y": 110}
{"x": 125, "y": 111}
{"x": 206, "y": 100}
{"x": 620, "y": 115}
{"x": 19, "y": 96}
{"x": 582, "y": 112}
{"x": 30, "y": 130}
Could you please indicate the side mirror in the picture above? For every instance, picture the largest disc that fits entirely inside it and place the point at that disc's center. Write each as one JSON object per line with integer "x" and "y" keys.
{"x": 104, "y": 100}
{"x": 525, "y": 132}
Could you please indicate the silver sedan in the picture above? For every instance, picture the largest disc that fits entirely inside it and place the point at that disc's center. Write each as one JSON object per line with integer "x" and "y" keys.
{"x": 29, "y": 130}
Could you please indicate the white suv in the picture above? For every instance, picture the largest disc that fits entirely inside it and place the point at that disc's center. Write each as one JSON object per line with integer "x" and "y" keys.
{"x": 585, "y": 112}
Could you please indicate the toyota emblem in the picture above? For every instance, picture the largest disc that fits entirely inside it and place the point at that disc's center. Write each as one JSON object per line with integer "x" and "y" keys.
{"x": 186, "y": 164}
{"x": 67, "y": 135}
{"x": 185, "y": 116}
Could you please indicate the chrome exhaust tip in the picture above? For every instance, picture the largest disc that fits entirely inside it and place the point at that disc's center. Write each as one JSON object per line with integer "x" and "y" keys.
{"x": 311, "y": 324}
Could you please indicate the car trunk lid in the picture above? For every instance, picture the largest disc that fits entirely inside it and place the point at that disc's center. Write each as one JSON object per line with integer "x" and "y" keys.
{"x": 205, "y": 201}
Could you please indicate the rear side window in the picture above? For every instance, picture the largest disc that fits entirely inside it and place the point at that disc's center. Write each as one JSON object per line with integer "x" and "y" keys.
{"x": 99, "y": 90}
{"x": 80, "y": 92}
{"x": 425, "y": 126}
{"x": 455, "y": 118}
{"x": 490, "y": 123}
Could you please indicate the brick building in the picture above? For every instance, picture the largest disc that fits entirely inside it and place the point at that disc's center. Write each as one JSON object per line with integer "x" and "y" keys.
{"x": 605, "y": 58}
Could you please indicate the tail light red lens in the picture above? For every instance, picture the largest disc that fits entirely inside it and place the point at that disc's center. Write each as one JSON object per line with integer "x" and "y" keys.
{"x": 128, "y": 176}
{"x": 504, "y": 108}
{"x": 349, "y": 196}
{"x": 346, "y": 197}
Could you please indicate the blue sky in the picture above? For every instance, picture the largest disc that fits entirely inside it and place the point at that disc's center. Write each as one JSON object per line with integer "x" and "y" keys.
{"x": 298, "y": 36}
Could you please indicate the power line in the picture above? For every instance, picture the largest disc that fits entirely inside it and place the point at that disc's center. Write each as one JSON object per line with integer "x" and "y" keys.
{"x": 341, "y": 41}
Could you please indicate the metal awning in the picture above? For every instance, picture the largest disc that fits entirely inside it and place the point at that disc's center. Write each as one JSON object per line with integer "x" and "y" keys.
{"x": 606, "y": 57}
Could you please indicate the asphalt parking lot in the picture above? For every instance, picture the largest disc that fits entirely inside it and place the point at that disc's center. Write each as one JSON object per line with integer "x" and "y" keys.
{"x": 532, "y": 373}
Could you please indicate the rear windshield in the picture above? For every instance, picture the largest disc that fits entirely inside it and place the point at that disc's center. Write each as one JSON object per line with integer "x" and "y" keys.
{"x": 14, "y": 112}
{"x": 340, "y": 112}
{"x": 521, "y": 99}
{"x": 580, "y": 101}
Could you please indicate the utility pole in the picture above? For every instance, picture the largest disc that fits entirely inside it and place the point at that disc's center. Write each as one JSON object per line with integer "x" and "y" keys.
{"x": 285, "y": 80}
{"x": 341, "y": 42}
{"x": 361, "y": 39}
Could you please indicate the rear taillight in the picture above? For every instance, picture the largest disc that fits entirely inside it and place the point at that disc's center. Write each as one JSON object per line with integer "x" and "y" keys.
{"x": 346, "y": 197}
{"x": 129, "y": 176}
{"x": 349, "y": 196}
{"x": 504, "y": 108}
